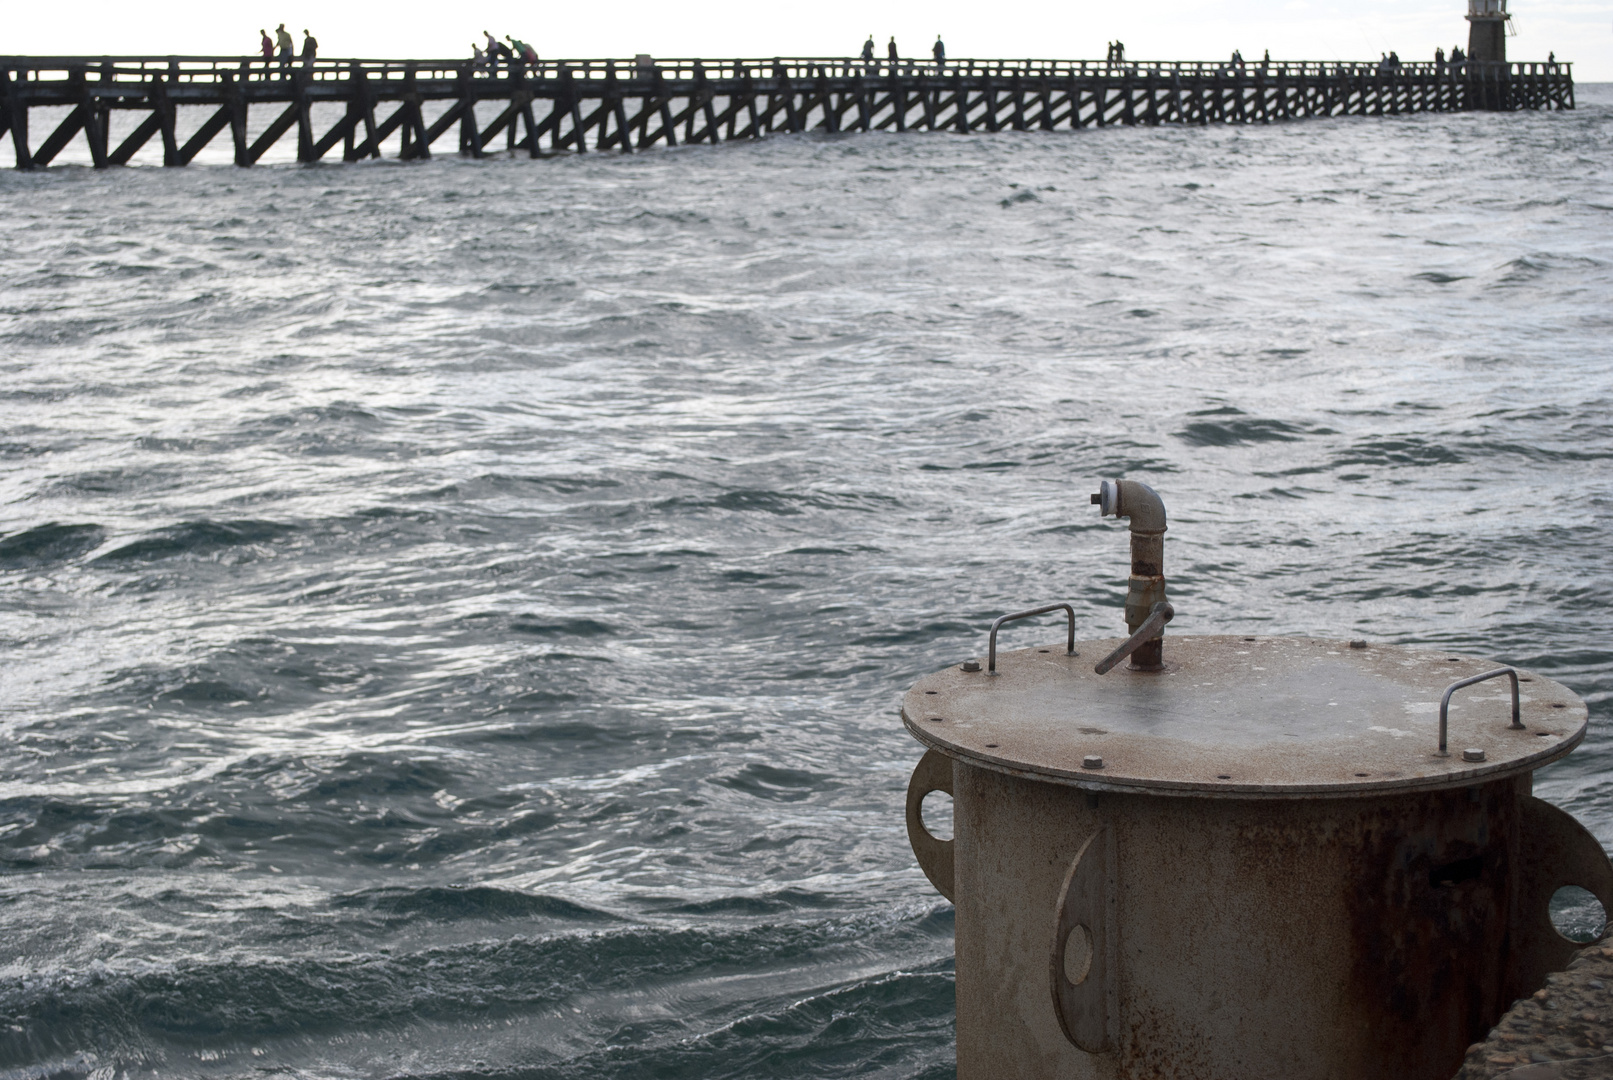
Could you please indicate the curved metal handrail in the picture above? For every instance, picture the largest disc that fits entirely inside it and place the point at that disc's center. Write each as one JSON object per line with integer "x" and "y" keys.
{"x": 1069, "y": 644}
{"x": 1445, "y": 702}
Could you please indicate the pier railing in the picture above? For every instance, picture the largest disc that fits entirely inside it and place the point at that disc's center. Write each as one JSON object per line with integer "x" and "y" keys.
{"x": 213, "y": 69}
{"x": 579, "y": 104}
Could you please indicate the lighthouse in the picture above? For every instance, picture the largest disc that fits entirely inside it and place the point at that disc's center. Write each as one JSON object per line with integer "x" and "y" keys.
{"x": 1487, "y": 40}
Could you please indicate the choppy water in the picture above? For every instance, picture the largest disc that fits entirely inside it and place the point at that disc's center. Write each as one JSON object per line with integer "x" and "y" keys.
{"x": 454, "y": 614}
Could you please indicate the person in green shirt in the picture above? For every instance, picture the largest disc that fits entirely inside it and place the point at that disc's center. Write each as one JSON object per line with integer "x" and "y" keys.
{"x": 282, "y": 40}
{"x": 522, "y": 51}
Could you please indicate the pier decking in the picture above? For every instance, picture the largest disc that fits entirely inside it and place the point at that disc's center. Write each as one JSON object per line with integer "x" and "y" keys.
{"x": 556, "y": 106}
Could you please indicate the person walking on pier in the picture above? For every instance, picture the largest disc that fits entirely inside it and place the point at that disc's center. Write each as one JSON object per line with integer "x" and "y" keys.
{"x": 891, "y": 54}
{"x": 310, "y": 49}
{"x": 282, "y": 41}
{"x": 939, "y": 51}
{"x": 495, "y": 50}
{"x": 266, "y": 43}
{"x": 520, "y": 50}
{"x": 868, "y": 49}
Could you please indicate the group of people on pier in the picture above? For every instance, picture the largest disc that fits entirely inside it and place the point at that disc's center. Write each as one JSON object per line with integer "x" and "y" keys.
{"x": 938, "y": 51}
{"x": 513, "y": 53}
{"x": 281, "y": 45}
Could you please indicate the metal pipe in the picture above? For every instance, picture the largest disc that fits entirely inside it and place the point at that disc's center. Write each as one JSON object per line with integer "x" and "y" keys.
{"x": 1145, "y": 587}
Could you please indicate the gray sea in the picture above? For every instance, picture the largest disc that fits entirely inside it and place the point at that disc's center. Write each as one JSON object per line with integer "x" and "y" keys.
{"x": 452, "y": 614}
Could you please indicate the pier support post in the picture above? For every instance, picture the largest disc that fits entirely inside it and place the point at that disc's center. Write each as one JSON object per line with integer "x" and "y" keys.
{"x": 5, "y": 101}
{"x": 163, "y": 105}
{"x": 573, "y": 106}
{"x": 416, "y": 141}
{"x": 706, "y": 107}
{"x": 470, "y": 140}
{"x": 415, "y": 130}
{"x": 613, "y": 98}
{"x": 305, "y": 121}
{"x": 531, "y": 121}
{"x": 786, "y": 91}
{"x": 754, "y": 130}
{"x": 17, "y": 117}
{"x": 95, "y": 119}
{"x": 235, "y": 97}
{"x": 666, "y": 108}
{"x": 508, "y": 118}
{"x": 360, "y": 107}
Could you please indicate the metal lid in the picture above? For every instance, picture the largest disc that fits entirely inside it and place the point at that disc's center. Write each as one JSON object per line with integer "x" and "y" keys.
{"x": 1238, "y": 716}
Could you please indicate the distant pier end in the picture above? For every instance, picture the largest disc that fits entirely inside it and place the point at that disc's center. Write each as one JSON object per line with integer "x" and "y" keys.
{"x": 120, "y": 104}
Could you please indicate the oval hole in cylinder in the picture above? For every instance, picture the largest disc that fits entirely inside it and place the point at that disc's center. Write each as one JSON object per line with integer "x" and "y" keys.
{"x": 936, "y": 813}
{"x": 1577, "y": 915}
{"x": 1078, "y": 955}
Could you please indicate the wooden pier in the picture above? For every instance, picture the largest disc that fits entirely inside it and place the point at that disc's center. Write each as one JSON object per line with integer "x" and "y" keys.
{"x": 557, "y": 106}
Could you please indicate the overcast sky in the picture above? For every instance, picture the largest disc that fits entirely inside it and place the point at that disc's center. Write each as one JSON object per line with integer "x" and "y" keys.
{"x": 1152, "y": 29}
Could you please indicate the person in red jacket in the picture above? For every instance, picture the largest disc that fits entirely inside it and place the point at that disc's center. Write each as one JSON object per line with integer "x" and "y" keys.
{"x": 267, "y": 45}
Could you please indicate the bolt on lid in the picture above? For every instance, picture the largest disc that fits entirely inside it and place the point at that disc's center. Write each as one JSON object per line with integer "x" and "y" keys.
{"x": 1239, "y": 716}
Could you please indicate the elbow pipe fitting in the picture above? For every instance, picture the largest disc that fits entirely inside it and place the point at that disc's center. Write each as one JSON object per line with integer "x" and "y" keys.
{"x": 1132, "y": 499}
{"x": 1145, "y": 588}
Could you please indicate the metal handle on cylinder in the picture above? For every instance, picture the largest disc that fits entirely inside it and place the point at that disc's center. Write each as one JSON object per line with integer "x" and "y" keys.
{"x": 1158, "y": 615}
{"x": 1445, "y": 702}
{"x": 1069, "y": 644}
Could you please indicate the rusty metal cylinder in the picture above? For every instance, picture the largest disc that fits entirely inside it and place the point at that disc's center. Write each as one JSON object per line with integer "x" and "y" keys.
{"x": 1251, "y": 864}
